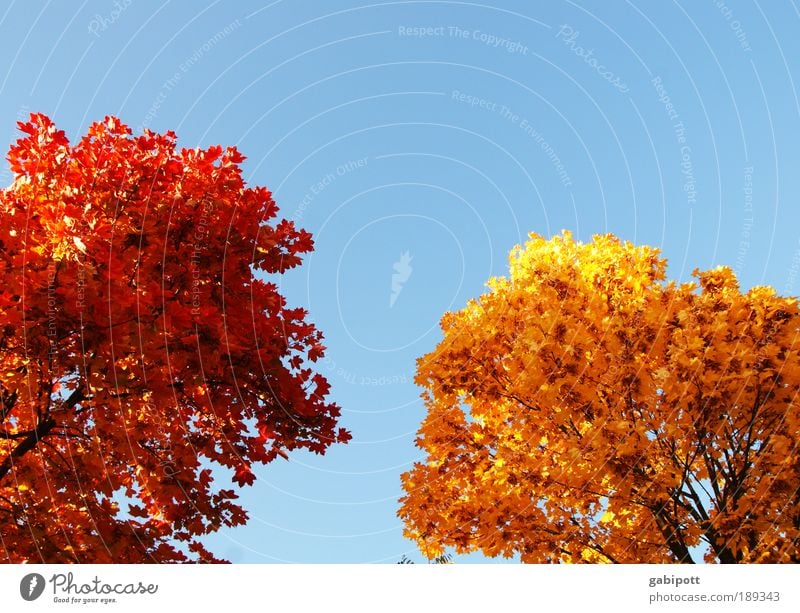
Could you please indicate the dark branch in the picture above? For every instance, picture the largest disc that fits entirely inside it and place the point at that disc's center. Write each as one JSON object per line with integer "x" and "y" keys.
{"x": 24, "y": 446}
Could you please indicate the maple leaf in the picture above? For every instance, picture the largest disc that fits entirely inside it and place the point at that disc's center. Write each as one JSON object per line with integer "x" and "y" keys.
{"x": 244, "y": 476}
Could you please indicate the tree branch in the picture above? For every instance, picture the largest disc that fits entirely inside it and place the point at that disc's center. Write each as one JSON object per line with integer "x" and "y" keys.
{"x": 32, "y": 437}
{"x": 672, "y": 536}
{"x": 28, "y": 443}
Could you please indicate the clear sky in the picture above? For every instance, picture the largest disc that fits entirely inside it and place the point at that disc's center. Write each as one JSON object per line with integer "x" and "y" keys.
{"x": 445, "y": 131}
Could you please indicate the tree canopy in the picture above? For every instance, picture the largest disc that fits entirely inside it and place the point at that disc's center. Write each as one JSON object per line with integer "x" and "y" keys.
{"x": 143, "y": 342}
{"x": 584, "y": 409}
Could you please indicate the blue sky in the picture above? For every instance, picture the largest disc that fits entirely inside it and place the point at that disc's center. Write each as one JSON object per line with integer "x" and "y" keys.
{"x": 445, "y": 131}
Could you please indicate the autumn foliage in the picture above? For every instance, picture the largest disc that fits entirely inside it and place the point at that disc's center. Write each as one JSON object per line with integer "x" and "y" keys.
{"x": 146, "y": 355}
{"x": 585, "y": 410}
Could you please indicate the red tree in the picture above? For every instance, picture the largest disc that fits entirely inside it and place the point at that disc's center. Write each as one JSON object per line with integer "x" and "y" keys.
{"x": 139, "y": 349}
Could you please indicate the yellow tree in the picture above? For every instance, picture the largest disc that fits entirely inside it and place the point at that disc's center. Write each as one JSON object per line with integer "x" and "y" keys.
{"x": 586, "y": 410}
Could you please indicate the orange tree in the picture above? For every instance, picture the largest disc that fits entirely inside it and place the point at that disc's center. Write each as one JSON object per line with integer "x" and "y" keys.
{"x": 138, "y": 347}
{"x": 585, "y": 410}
